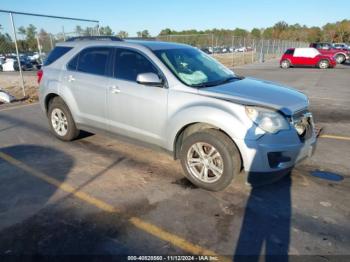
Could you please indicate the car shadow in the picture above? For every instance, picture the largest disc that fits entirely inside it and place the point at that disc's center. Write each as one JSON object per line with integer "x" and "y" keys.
{"x": 38, "y": 219}
{"x": 22, "y": 194}
{"x": 265, "y": 230}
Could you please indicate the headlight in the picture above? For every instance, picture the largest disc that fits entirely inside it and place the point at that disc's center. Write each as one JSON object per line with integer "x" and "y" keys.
{"x": 300, "y": 128}
{"x": 268, "y": 120}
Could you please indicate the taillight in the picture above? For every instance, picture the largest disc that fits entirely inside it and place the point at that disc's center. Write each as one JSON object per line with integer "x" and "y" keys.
{"x": 39, "y": 74}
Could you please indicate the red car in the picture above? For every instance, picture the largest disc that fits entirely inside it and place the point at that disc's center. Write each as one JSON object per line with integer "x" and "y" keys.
{"x": 340, "y": 55}
{"x": 308, "y": 56}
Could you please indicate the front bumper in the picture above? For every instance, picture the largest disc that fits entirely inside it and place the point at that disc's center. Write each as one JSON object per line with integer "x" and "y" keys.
{"x": 274, "y": 153}
{"x": 259, "y": 168}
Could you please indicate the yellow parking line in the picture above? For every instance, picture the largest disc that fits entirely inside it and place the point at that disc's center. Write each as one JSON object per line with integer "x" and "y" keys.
{"x": 16, "y": 107}
{"x": 63, "y": 186}
{"x": 137, "y": 222}
{"x": 335, "y": 137}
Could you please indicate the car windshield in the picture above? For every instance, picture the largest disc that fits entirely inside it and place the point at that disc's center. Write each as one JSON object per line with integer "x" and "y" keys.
{"x": 195, "y": 68}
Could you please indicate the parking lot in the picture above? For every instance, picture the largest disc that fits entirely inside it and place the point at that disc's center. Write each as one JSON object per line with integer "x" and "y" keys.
{"x": 102, "y": 196}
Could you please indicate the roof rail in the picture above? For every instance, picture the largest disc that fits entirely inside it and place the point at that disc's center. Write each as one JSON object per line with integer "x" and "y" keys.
{"x": 102, "y": 37}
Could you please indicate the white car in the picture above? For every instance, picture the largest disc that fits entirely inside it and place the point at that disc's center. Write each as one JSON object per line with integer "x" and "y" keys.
{"x": 241, "y": 49}
{"x": 9, "y": 65}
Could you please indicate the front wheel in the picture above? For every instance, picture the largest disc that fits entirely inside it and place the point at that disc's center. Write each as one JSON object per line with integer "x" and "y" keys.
{"x": 210, "y": 159}
{"x": 323, "y": 64}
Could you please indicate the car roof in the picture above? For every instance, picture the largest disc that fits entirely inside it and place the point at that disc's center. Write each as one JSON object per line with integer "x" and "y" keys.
{"x": 150, "y": 44}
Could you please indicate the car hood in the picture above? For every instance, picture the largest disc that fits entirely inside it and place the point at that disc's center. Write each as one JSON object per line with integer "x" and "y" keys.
{"x": 251, "y": 91}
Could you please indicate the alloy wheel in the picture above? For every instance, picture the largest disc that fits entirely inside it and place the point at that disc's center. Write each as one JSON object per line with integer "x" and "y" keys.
{"x": 323, "y": 64}
{"x": 59, "y": 122}
{"x": 205, "y": 162}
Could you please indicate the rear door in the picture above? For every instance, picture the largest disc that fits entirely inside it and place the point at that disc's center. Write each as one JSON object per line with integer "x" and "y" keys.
{"x": 87, "y": 78}
{"x": 136, "y": 110}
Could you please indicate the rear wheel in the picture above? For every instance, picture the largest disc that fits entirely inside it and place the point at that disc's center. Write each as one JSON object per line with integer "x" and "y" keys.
{"x": 210, "y": 159}
{"x": 323, "y": 64}
{"x": 340, "y": 58}
{"x": 61, "y": 121}
{"x": 285, "y": 64}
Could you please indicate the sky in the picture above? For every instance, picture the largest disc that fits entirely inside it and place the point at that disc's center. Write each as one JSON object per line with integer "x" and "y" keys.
{"x": 155, "y": 15}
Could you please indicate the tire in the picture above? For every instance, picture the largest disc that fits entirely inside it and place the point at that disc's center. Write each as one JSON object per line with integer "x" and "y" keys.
{"x": 285, "y": 64}
{"x": 323, "y": 64}
{"x": 61, "y": 121}
{"x": 340, "y": 58}
{"x": 1, "y": 69}
{"x": 227, "y": 163}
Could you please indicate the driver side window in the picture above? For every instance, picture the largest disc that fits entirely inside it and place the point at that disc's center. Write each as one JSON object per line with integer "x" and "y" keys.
{"x": 128, "y": 64}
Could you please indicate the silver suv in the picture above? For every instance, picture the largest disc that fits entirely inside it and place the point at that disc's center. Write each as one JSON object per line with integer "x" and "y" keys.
{"x": 178, "y": 98}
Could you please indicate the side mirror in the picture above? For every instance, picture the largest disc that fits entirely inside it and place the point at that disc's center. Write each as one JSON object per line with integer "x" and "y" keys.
{"x": 149, "y": 79}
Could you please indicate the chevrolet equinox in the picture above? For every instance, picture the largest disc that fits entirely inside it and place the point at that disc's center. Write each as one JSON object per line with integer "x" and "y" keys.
{"x": 176, "y": 97}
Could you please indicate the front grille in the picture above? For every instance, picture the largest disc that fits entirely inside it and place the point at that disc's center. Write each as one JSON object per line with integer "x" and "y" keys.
{"x": 303, "y": 121}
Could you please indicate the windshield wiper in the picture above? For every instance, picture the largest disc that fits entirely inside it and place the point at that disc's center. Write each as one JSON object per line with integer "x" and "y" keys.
{"x": 220, "y": 82}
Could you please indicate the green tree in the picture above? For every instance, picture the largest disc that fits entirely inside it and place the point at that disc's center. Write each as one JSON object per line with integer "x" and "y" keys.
{"x": 21, "y": 31}
{"x": 166, "y": 31}
{"x": 6, "y": 44}
{"x": 278, "y": 28}
{"x": 329, "y": 32}
{"x": 256, "y": 33}
{"x": 123, "y": 34}
{"x": 314, "y": 34}
{"x": 143, "y": 34}
{"x": 78, "y": 30}
{"x": 343, "y": 30}
{"x": 267, "y": 33}
{"x": 31, "y": 32}
{"x": 106, "y": 31}
{"x": 240, "y": 32}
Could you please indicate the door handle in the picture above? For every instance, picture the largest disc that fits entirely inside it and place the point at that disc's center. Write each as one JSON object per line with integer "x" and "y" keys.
{"x": 71, "y": 78}
{"x": 115, "y": 90}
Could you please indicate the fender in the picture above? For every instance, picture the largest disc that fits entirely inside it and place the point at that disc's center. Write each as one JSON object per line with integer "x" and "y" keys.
{"x": 49, "y": 87}
{"x": 341, "y": 53}
{"x": 67, "y": 96}
{"x": 231, "y": 122}
{"x": 288, "y": 59}
{"x": 54, "y": 87}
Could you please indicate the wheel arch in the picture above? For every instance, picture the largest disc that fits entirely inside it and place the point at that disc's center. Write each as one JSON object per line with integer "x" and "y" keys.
{"x": 194, "y": 127}
{"x": 48, "y": 98}
{"x": 288, "y": 59}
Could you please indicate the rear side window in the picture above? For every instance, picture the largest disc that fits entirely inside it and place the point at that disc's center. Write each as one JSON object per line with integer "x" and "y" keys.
{"x": 92, "y": 60}
{"x": 128, "y": 64}
{"x": 289, "y": 52}
{"x": 72, "y": 65}
{"x": 56, "y": 53}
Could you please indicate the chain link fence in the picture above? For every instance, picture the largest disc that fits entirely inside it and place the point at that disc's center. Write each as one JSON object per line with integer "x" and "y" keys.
{"x": 25, "y": 41}
{"x": 235, "y": 50}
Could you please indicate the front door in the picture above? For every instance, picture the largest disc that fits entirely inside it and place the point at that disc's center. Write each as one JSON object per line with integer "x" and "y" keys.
{"x": 136, "y": 110}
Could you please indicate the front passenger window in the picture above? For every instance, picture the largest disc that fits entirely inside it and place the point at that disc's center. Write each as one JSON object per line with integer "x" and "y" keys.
{"x": 129, "y": 64}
